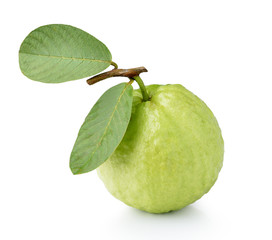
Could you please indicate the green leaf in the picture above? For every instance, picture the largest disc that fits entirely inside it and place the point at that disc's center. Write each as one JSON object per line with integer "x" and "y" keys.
{"x": 103, "y": 129}
{"x": 59, "y": 53}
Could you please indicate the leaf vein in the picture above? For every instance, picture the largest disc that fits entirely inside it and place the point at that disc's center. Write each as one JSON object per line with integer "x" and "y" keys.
{"x": 68, "y": 58}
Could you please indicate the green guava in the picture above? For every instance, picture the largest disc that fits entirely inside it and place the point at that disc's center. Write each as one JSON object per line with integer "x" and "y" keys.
{"x": 171, "y": 154}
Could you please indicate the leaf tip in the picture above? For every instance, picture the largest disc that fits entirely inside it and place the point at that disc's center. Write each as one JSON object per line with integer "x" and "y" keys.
{"x": 78, "y": 169}
{"x": 74, "y": 169}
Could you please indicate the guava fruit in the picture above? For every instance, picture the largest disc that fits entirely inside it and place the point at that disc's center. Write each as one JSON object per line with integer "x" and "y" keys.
{"x": 157, "y": 150}
{"x": 171, "y": 154}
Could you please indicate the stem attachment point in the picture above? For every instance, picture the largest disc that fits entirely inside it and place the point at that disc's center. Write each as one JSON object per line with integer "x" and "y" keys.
{"x": 142, "y": 87}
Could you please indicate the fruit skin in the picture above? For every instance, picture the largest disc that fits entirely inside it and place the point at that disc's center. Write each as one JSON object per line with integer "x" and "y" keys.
{"x": 170, "y": 155}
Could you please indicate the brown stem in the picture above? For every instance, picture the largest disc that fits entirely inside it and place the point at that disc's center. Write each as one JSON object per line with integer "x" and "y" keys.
{"x": 130, "y": 73}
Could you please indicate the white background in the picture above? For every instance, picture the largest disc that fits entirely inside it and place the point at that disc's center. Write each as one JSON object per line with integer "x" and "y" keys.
{"x": 220, "y": 50}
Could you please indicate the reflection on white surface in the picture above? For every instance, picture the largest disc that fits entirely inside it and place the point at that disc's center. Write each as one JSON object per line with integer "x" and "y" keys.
{"x": 186, "y": 223}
